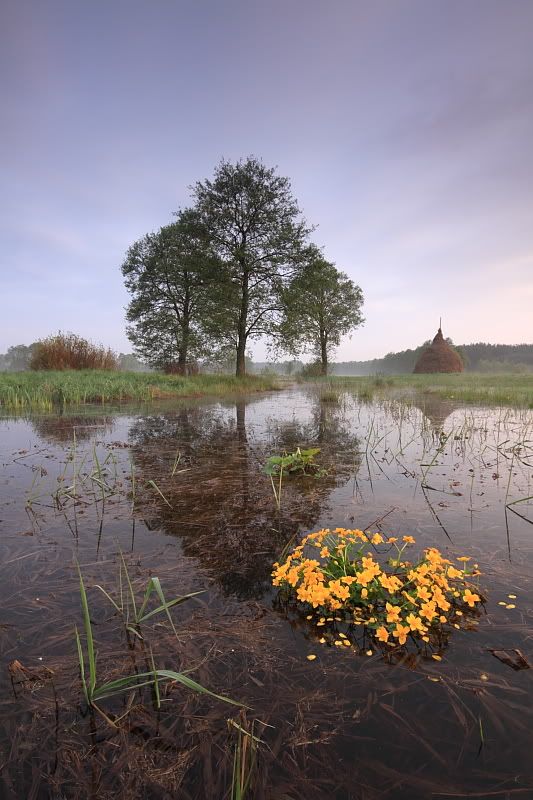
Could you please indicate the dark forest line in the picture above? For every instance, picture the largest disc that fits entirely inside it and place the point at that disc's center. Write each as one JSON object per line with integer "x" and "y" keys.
{"x": 478, "y": 357}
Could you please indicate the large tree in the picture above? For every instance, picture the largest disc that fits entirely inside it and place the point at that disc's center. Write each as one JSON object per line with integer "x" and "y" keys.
{"x": 256, "y": 229}
{"x": 320, "y": 305}
{"x": 167, "y": 274}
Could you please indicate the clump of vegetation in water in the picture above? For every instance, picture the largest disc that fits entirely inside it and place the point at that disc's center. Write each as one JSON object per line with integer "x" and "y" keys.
{"x": 300, "y": 462}
{"x": 334, "y": 571}
{"x": 93, "y": 689}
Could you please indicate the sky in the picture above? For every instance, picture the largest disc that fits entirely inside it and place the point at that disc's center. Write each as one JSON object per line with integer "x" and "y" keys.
{"x": 405, "y": 127}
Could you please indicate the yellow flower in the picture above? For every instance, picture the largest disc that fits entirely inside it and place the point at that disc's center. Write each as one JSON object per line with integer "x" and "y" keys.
{"x": 368, "y": 562}
{"x": 415, "y": 623}
{"x": 454, "y": 573}
{"x": 470, "y": 598}
{"x": 324, "y": 553}
{"x": 393, "y": 612}
{"x": 392, "y": 539}
{"x": 377, "y": 538}
{"x": 423, "y": 593}
{"x": 428, "y": 610}
{"x": 364, "y": 577}
{"x": 400, "y": 632}
{"x": 382, "y": 634}
{"x": 439, "y": 599}
{"x": 408, "y": 539}
{"x": 339, "y": 590}
{"x": 390, "y": 582}
{"x": 464, "y": 558}
{"x": 434, "y": 557}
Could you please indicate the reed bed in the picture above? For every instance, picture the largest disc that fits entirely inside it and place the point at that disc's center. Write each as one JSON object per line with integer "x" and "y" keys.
{"x": 68, "y": 351}
{"x": 44, "y": 391}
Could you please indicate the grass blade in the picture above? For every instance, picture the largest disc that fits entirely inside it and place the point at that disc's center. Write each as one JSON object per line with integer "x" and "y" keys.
{"x": 82, "y": 665}
{"x": 158, "y": 490}
{"x": 89, "y": 637}
{"x": 179, "y": 677}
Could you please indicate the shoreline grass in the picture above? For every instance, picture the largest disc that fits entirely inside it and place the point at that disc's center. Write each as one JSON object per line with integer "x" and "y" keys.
{"x": 49, "y": 390}
{"x": 483, "y": 389}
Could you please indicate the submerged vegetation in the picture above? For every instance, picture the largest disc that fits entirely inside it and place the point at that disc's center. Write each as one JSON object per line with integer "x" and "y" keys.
{"x": 46, "y": 390}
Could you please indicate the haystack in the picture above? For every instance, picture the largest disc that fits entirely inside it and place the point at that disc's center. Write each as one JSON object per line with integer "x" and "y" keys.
{"x": 439, "y": 357}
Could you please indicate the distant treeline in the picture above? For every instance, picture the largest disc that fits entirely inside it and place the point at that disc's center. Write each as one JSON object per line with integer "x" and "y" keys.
{"x": 479, "y": 357}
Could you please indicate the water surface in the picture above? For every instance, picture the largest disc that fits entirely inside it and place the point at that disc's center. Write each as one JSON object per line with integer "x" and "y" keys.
{"x": 182, "y": 493}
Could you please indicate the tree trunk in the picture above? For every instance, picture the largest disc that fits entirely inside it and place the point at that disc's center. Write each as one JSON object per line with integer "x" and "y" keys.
{"x": 241, "y": 330}
{"x": 185, "y": 325}
{"x": 323, "y": 355}
{"x": 183, "y": 351}
{"x": 241, "y": 358}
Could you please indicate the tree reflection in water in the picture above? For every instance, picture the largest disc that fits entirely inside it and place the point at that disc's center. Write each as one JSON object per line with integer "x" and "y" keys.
{"x": 222, "y": 507}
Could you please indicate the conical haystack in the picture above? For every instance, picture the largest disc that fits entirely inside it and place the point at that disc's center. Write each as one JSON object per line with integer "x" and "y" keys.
{"x": 439, "y": 357}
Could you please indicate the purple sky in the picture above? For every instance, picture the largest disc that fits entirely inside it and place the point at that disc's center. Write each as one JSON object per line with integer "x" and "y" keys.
{"x": 406, "y": 129}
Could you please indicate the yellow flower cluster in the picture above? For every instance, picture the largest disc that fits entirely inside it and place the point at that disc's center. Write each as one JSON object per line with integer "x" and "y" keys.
{"x": 396, "y": 601}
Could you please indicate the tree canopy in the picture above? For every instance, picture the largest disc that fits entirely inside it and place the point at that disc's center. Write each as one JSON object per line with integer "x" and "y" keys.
{"x": 167, "y": 274}
{"x": 320, "y": 305}
{"x": 255, "y": 227}
{"x": 233, "y": 268}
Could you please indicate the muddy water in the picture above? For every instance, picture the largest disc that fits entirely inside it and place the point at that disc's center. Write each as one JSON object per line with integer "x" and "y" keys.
{"x": 181, "y": 493}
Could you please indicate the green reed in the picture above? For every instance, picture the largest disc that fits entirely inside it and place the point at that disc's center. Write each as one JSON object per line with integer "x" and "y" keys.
{"x": 44, "y": 391}
{"x": 94, "y": 691}
{"x": 135, "y": 613}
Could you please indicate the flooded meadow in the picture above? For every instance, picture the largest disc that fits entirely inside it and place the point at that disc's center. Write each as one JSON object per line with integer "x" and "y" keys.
{"x": 179, "y": 492}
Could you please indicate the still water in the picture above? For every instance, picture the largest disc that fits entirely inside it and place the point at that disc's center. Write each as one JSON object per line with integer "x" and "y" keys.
{"x": 180, "y": 491}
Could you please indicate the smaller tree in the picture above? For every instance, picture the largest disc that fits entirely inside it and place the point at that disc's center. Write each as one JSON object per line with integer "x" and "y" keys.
{"x": 167, "y": 274}
{"x": 18, "y": 357}
{"x": 320, "y": 305}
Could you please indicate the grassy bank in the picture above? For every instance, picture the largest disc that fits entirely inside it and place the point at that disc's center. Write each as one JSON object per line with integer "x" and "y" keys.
{"x": 44, "y": 391}
{"x": 483, "y": 389}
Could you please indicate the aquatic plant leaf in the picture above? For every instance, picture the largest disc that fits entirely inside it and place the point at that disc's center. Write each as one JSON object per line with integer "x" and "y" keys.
{"x": 89, "y": 636}
{"x": 118, "y": 608}
{"x": 82, "y": 665}
{"x": 141, "y": 679}
{"x": 180, "y": 677}
{"x": 168, "y": 605}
